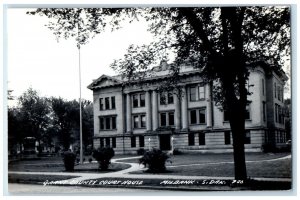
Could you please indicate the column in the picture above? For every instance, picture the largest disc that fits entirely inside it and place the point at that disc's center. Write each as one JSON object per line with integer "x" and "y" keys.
{"x": 128, "y": 114}
{"x": 177, "y": 112}
{"x": 148, "y": 111}
{"x": 154, "y": 111}
{"x": 184, "y": 110}
{"x": 208, "y": 106}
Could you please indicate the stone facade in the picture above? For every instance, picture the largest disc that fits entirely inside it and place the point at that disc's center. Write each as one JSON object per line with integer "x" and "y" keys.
{"x": 132, "y": 117}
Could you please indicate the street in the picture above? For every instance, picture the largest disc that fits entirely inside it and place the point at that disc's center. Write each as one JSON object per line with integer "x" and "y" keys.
{"x": 27, "y": 189}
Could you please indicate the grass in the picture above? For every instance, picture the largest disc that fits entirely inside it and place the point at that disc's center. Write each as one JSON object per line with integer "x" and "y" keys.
{"x": 189, "y": 165}
{"x": 58, "y": 166}
{"x": 34, "y": 179}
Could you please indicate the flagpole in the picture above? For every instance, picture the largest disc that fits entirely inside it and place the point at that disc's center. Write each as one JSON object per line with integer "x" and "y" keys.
{"x": 80, "y": 110}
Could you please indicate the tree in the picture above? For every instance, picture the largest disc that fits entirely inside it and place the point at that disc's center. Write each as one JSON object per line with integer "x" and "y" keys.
{"x": 223, "y": 42}
{"x": 34, "y": 114}
{"x": 66, "y": 121}
{"x": 65, "y": 117}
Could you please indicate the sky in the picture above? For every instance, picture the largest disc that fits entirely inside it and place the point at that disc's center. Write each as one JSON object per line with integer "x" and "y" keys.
{"x": 36, "y": 59}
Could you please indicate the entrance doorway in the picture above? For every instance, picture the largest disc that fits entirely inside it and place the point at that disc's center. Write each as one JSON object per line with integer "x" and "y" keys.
{"x": 165, "y": 142}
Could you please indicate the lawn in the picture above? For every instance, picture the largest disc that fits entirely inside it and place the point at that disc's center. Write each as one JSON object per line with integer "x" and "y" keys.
{"x": 221, "y": 165}
{"x": 58, "y": 166}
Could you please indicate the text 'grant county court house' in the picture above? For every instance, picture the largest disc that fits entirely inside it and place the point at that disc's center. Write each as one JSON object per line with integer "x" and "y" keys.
{"x": 130, "y": 117}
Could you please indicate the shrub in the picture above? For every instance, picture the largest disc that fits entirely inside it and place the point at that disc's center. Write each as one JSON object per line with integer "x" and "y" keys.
{"x": 176, "y": 152}
{"x": 69, "y": 160}
{"x": 155, "y": 160}
{"x": 140, "y": 151}
{"x": 103, "y": 156}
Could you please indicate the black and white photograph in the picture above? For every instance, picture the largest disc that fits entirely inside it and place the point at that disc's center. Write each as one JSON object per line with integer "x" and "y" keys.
{"x": 126, "y": 99}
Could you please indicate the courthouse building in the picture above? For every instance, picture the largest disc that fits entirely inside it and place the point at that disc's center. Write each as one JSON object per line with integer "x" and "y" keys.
{"x": 130, "y": 117}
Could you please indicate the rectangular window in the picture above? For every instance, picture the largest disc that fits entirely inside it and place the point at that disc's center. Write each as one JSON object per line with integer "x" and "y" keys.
{"x": 202, "y": 116}
{"x": 107, "y": 142}
{"x": 101, "y": 123}
{"x": 113, "y": 103}
{"x": 171, "y": 119}
{"x": 133, "y": 142}
{"x": 101, "y": 104}
{"x": 201, "y": 138}
{"x": 113, "y": 124}
{"x": 107, "y": 123}
{"x": 135, "y": 121}
{"x": 193, "y": 94}
{"x": 247, "y": 137}
{"x": 191, "y": 138}
{"x": 264, "y": 111}
{"x": 142, "y": 100}
{"x": 193, "y": 114}
{"x": 135, "y": 101}
{"x": 201, "y": 92}
{"x": 275, "y": 89}
{"x": 170, "y": 98}
{"x": 247, "y": 113}
{"x": 106, "y": 103}
{"x": 227, "y": 137}
{"x": 163, "y": 119}
{"x": 141, "y": 141}
{"x": 113, "y": 141}
{"x": 101, "y": 142}
{"x": 263, "y": 86}
{"x": 162, "y": 99}
{"x": 143, "y": 121}
{"x": 276, "y": 113}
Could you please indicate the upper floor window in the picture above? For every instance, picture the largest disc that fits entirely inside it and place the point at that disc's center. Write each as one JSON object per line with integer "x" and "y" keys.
{"x": 108, "y": 122}
{"x": 166, "y": 98}
{"x": 139, "y": 121}
{"x": 113, "y": 102}
{"x": 198, "y": 116}
{"x": 263, "y": 86}
{"x": 264, "y": 110}
{"x": 167, "y": 119}
{"x": 101, "y": 104}
{"x": 107, "y": 103}
{"x": 197, "y": 93}
{"x": 275, "y": 89}
{"x": 138, "y": 100}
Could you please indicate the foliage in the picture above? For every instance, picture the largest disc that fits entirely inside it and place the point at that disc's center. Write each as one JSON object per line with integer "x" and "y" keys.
{"x": 69, "y": 160}
{"x": 66, "y": 120}
{"x": 155, "y": 160}
{"x": 176, "y": 152}
{"x": 222, "y": 42}
{"x": 103, "y": 156}
{"x": 140, "y": 151}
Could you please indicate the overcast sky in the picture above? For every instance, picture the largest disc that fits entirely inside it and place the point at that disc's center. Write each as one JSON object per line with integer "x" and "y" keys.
{"x": 37, "y": 60}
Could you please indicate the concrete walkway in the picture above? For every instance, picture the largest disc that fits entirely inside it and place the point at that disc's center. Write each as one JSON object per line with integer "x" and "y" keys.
{"x": 136, "y": 167}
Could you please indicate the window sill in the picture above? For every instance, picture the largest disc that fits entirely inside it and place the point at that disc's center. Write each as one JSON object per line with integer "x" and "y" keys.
{"x": 107, "y": 109}
{"x": 108, "y": 130}
{"x": 197, "y": 124}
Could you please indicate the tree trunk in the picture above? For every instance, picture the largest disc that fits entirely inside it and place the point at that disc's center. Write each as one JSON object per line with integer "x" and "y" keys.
{"x": 237, "y": 124}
